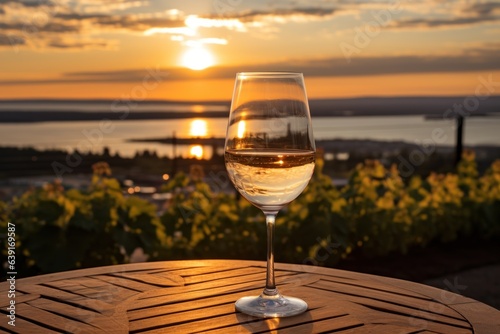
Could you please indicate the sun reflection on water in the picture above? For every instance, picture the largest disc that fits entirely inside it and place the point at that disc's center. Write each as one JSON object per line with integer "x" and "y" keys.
{"x": 196, "y": 151}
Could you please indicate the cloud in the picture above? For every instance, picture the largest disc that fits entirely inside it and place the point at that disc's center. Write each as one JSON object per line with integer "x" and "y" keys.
{"x": 81, "y": 44}
{"x": 483, "y": 58}
{"x": 28, "y": 3}
{"x": 185, "y": 31}
{"x": 80, "y": 5}
{"x": 66, "y": 21}
{"x": 483, "y": 8}
{"x": 119, "y": 22}
{"x": 287, "y": 14}
{"x": 473, "y": 60}
{"x": 103, "y": 6}
{"x": 189, "y": 34}
{"x": 195, "y": 22}
{"x": 466, "y": 15}
{"x": 11, "y": 40}
{"x": 60, "y": 24}
{"x": 49, "y": 24}
{"x": 63, "y": 28}
{"x": 443, "y": 23}
{"x": 241, "y": 21}
{"x": 278, "y": 15}
{"x": 211, "y": 40}
{"x": 32, "y": 29}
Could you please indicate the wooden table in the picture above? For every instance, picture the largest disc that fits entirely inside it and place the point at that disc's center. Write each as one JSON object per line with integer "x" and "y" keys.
{"x": 199, "y": 296}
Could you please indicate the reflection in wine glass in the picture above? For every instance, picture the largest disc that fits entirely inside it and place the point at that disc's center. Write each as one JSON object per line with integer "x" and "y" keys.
{"x": 270, "y": 157}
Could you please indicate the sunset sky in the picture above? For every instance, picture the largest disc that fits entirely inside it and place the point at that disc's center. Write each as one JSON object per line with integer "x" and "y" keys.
{"x": 147, "y": 48}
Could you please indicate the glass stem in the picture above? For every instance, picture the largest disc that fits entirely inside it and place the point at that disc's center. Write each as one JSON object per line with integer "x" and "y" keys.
{"x": 270, "y": 289}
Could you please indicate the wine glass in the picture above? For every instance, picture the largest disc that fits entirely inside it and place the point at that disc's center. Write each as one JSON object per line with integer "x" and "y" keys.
{"x": 270, "y": 157}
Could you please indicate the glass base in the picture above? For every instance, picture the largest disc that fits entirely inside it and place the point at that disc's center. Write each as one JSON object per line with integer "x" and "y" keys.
{"x": 276, "y": 306}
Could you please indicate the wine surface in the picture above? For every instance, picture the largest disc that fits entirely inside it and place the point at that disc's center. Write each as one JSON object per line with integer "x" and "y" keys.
{"x": 270, "y": 179}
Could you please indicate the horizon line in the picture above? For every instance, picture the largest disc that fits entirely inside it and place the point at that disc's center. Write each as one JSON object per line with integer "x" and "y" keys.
{"x": 155, "y": 100}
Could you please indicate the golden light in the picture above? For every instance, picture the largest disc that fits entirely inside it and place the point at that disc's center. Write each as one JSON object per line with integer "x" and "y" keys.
{"x": 194, "y": 22}
{"x": 241, "y": 129}
{"x": 196, "y": 151}
{"x": 198, "y": 128}
{"x": 197, "y": 58}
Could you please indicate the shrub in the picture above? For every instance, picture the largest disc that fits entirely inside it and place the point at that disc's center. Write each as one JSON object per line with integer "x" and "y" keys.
{"x": 375, "y": 214}
{"x": 60, "y": 230}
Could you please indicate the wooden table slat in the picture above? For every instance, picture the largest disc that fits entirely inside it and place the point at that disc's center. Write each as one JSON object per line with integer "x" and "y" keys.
{"x": 481, "y": 315}
{"x": 315, "y": 315}
{"x": 126, "y": 283}
{"x": 417, "y": 322}
{"x": 53, "y": 321}
{"x": 378, "y": 310}
{"x": 198, "y": 296}
{"x": 94, "y": 304}
{"x": 377, "y": 286}
{"x": 196, "y": 291}
{"x": 160, "y": 279}
{"x": 104, "y": 323}
{"x": 20, "y": 298}
{"x": 182, "y": 317}
{"x": 385, "y": 328}
{"x": 205, "y": 277}
{"x": 441, "y": 296}
{"x": 225, "y": 323}
{"x": 196, "y": 304}
{"x": 136, "y": 267}
{"x": 24, "y": 327}
{"x": 321, "y": 326}
{"x": 391, "y": 300}
{"x": 202, "y": 270}
{"x": 201, "y": 303}
{"x": 151, "y": 300}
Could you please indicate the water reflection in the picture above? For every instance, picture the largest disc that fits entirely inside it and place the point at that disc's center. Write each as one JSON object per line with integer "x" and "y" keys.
{"x": 241, "y": 129}
{"x": 70, "y": 134}
{"x": 288, "y": 132}
{"x": 198, "y": 128}
{"x": 196, "y": 151}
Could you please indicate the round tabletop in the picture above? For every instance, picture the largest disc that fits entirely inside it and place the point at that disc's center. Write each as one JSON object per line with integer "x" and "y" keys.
{"x": 199, "y": 296}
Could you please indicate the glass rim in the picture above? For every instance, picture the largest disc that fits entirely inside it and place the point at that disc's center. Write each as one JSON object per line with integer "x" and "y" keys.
{"x": 264, "y": 74}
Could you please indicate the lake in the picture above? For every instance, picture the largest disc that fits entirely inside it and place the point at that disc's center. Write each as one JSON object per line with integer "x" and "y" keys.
{"x": 94, "y": 135}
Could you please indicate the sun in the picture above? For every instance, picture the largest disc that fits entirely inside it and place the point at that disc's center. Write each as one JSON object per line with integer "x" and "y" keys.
{"x": 198, "y": 128}
{"x": 197, "y": 58}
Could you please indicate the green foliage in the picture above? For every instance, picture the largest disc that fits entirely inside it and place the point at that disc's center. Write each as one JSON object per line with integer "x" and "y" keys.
{"x": 312, "y": 229}
{"x": 60, "y": 230}
{"x": 204, "y": 224}
{"x": 375, "y": 214}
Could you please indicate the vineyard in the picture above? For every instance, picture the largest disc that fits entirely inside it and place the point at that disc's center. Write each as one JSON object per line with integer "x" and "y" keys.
{"x": 375, "y": 214}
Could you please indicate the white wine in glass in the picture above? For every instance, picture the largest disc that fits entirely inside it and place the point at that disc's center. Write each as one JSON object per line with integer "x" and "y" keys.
{"x": 270, "y": 156}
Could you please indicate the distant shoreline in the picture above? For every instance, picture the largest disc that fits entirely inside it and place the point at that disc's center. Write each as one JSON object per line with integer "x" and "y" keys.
{"x": 228, "y": 102}
{"x": 65, "y": 116}
{"x": 22, "y": 111}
